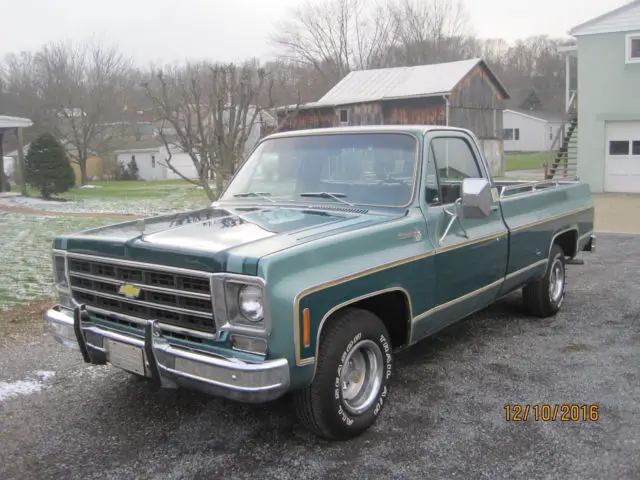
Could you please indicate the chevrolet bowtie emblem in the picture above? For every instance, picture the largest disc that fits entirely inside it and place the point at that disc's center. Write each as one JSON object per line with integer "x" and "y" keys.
{"x": 129, "y": 291}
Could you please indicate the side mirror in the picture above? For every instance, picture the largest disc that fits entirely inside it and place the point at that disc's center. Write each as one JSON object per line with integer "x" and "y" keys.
{"x": 477, "y": 200}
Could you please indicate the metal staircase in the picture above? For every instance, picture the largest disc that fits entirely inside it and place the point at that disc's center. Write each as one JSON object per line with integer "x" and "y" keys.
{"x": 565, "y": 163}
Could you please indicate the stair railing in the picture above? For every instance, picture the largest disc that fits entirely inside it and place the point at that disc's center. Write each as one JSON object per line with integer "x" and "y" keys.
{"x": 560, "y": 133}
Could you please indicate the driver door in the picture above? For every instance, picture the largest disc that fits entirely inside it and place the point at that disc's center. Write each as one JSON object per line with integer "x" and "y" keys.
{"x": 469, "y": 267}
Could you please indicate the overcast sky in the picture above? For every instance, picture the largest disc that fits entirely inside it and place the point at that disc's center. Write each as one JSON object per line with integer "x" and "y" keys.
{"x": 227, "y": 30}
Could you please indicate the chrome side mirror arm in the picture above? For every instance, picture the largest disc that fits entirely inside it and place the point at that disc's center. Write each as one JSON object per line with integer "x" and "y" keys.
{"x": 454, "y": 216}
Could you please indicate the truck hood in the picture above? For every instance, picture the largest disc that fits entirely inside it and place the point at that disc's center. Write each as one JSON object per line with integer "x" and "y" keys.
{"x": 216, "y": 239}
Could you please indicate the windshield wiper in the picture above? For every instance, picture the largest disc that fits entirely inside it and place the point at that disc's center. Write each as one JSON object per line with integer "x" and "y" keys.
{"x": 335, "y": 196}
{"x": 264, "y": 195}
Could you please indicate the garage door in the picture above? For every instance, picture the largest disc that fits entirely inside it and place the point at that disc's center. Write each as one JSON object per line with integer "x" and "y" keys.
{"x": 622, "y": 166}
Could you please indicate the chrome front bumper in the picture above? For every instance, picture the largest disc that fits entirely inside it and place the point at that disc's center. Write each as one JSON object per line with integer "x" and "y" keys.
{"x": 168, "y": 366}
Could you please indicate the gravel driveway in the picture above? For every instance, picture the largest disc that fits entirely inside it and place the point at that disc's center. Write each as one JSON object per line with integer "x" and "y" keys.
{"x": 60, "y": 418}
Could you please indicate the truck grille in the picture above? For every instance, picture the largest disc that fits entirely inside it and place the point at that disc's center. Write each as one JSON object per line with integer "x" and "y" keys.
{"x": 174, "y": 298}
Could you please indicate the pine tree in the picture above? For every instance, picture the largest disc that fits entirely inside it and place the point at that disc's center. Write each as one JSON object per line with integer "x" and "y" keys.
{"x": 47, "y": 167}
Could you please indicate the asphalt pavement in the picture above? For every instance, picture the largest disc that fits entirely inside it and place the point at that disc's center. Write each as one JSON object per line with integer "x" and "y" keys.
{"x": 61, "y": 418}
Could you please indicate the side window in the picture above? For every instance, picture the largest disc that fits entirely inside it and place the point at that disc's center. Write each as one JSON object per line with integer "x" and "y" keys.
{"x": 455, "y": 161}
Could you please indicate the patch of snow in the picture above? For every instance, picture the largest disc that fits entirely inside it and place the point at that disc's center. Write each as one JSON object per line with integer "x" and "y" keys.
{"x": 24, "y": 387}
{"x": 45, "y": 375}
{"x": 173, "y": 201}
{"x": 90, "y": 186}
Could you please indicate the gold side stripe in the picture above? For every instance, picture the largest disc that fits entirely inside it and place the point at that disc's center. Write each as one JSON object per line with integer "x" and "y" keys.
{"x": 455, "y": 301}
{"x": 548, "y": 220}
{"x": 423, "y": 315}
{"x": 526, "y": 269}
{"x": 386, "y": 266}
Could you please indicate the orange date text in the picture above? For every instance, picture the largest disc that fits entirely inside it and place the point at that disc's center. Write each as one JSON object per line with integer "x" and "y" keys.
{"x": 546, "y": 412}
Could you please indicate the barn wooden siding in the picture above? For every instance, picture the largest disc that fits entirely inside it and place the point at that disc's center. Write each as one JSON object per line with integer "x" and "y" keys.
{"x": 476, "y": 104}
{"x": 311, "y": 118}
{"x": 416, "y": 111}
{"x": 363, "y": 113}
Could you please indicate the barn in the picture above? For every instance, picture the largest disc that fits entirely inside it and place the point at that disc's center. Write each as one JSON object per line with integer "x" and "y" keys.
{"x": 464, "y": 94}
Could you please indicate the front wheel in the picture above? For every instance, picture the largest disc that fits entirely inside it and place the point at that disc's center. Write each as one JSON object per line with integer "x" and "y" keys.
{"x": 544, "y": 297}
{"x": 350, "y": 387}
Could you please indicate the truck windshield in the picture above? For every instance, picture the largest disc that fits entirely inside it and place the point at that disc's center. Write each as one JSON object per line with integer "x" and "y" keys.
{"x": 377, "y": 169}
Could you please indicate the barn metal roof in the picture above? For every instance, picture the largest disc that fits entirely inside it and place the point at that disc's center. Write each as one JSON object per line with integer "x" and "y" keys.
{"x": 400, "y": 82}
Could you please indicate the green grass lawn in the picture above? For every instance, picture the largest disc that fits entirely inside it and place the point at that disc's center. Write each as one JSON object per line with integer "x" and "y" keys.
{"x": 126, "y": 190}
{"x": 144, "y": 198}
{"x": 526, "y": 161}
{"x": 25, "y": 256}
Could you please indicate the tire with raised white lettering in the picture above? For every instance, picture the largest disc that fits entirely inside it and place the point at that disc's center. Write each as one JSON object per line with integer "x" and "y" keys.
{"x": 544, "y": 297}
{"x": 351, "y": 384}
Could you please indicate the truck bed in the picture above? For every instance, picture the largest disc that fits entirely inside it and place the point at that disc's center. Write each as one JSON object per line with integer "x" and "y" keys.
{"x": 537, "y": 212}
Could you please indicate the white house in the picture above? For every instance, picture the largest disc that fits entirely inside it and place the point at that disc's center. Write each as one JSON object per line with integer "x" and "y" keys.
{"x": 151, "y": 154}
{"x": 529, "y": 130}
{"x": 147, "y": 155}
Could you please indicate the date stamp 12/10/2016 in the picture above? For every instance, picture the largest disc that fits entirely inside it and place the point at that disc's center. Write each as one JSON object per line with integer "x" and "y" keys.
{"x": 546, "y": 412}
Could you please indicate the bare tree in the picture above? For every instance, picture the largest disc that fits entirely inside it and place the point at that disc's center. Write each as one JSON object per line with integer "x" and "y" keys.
{"x": 209, "y": 111}
{"x": 77, "y": 92}
{"x": 430, "y": 31}
{"x": 336, "y": 36}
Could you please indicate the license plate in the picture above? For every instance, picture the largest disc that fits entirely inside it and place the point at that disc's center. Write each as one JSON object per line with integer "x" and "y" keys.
{"x": 127, "y": 357}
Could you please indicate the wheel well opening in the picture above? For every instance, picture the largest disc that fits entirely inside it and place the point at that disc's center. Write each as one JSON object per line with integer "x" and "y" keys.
{"x": 567, "y": 241}
{"x": 393, "y": 309}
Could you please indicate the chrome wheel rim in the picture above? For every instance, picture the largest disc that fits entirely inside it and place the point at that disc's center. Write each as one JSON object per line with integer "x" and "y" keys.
{"x": 556, "y": 281}
{"x": 361, "y": 376}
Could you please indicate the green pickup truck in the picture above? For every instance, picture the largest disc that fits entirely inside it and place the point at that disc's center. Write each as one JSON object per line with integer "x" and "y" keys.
{"x": 329, "y": 251}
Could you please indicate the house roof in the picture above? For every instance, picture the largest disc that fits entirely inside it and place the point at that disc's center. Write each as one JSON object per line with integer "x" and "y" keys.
{"x": 622, "y": 19}
{"x": 538, "y": 115}
{"x": 550, "y": 100}
{"x": 401, "y": 82}
{"x": 14, "y": 122}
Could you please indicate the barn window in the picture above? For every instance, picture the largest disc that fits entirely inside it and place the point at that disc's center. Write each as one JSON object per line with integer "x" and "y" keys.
{"x": 344, "y": 115}
{"x": 153, "y": 161}
{"x": 636, "y": 148}
{"x": 633, "y": 48}
{"x": 618, "y": 147}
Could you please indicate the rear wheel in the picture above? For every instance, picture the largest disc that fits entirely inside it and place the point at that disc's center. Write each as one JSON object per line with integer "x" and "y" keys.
{"x": 544, "y": 297}
{"x": 350, "y": 387}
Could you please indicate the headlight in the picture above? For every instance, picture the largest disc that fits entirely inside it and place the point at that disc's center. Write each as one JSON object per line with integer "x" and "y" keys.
{"x": 241, "y": 305}
{"x": 251, "y": 303}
